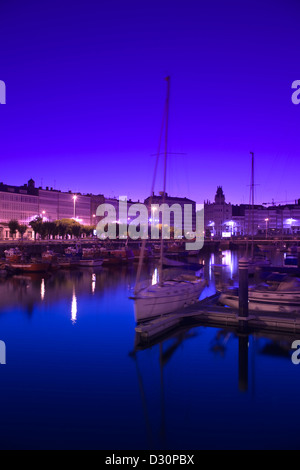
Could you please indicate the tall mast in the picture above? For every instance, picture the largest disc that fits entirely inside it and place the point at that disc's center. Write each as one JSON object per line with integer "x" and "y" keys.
{"x": 252, "y": 190}
{"x": 168, "y": 80}
{"x": 164, "y": 121}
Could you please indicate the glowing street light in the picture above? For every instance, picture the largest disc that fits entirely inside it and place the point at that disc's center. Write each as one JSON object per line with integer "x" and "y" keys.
{"x": 267, "y": 220}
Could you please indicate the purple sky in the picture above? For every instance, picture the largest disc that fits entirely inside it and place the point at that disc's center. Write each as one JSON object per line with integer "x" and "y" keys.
{"x": 85, "y": 94}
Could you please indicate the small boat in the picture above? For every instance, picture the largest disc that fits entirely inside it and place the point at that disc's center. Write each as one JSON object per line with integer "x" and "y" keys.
{"x": 279, "y": 293}
{"x": 117, "y": 257}
{"x": 70, "y": 251}
{"x": 67, "y": 263}
{"x": 30, "y": 267}
{"x": 91, "y": 253}
{"x": 49, "y": 256}
{"x": 90, "y": 263}
{"x": 13, "y": 255}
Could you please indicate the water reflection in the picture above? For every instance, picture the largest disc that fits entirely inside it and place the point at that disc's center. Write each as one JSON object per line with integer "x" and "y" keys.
{"x": 188, "y": 390}
{"x": 43, "y": 289}
{"x": 94, "y": 281}
{"x": 165, "y": 354}
{"x": 74, "y": 308}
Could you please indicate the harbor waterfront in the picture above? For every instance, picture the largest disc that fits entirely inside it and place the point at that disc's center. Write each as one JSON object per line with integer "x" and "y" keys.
{"x": 78, "y": 377}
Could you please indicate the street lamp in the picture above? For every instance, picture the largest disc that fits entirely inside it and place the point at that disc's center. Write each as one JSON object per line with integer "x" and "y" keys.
{"x": 266, "y": 220}
{"x": 75, "y": 199}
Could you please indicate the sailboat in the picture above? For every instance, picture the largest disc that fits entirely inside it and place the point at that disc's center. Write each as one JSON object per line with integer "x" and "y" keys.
{"x": 164, "y": 294}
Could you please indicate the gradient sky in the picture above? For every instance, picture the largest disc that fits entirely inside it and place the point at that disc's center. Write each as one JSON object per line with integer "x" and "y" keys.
{"x": 85, "y": 95}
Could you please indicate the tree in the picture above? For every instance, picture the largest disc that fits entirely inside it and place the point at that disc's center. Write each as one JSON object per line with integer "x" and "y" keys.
{"x": 61, "y": 229}
{"x": 88, "y": 230}
{"x": 36, "y": 226}
{"x": 22, "y": 230}
{"x": 76, "y": 230}
{"x": 13, "y": 226}
{"x": 49, "y": 228}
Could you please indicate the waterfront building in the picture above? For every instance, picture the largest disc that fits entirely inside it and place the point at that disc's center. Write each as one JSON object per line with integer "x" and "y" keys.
{"x": 218, "y": 215}
{"x": 19, "y": 203}
{"x": 25, "y": 203}
{"x": 188, "y": 208}
{"x": 225, "y": 220}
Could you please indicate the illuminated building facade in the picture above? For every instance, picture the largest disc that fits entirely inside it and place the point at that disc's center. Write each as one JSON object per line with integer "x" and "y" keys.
{"x": 24, "y": 203}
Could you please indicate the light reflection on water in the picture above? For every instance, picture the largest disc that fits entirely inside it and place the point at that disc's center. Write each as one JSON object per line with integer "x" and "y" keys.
{"x": 74, "y": 308}
{"x": 43, "y": 290}
{"x": 82, "y": 379}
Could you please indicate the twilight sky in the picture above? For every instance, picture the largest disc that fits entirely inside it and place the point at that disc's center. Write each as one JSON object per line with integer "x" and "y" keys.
{"x": 85, "y": 95}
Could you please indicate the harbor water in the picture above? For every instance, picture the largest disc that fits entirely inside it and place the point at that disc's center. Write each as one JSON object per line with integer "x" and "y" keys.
{"x": 75, "y": 378}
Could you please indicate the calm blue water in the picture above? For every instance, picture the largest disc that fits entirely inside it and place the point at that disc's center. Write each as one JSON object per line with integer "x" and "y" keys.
{"x": 74, "y": 380}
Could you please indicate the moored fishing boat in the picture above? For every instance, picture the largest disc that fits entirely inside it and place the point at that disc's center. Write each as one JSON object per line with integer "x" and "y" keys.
{"x": 13, "y": 255}
{"x": 67, "y": 263}
{"x": 118, "y": 257}
{"x": 90, "y": 263}
{"x": 49, "y": 256}
{"x": 33, "y": 267}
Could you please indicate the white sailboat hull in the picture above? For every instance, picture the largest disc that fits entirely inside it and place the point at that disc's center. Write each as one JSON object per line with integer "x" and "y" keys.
{"x": 281, "y": 302}
{"x": 159, "y": 300}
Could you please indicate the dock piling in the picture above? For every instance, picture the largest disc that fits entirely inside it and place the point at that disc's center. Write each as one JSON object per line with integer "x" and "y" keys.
{"x": 243, "y": 288}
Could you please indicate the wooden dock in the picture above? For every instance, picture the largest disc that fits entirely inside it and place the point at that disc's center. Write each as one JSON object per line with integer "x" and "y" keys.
{"x": 208, "y": 313}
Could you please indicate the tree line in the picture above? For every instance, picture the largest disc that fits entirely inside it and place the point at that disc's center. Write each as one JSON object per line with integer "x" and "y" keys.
{"x": 45, "y": 229}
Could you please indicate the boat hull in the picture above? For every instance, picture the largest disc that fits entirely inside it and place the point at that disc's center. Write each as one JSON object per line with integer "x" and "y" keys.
{"x": 92, "y": 263}
{"x": 264, "y": 302}
{"x": 161, "y": 300}
{"x": 31, "y": 268}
